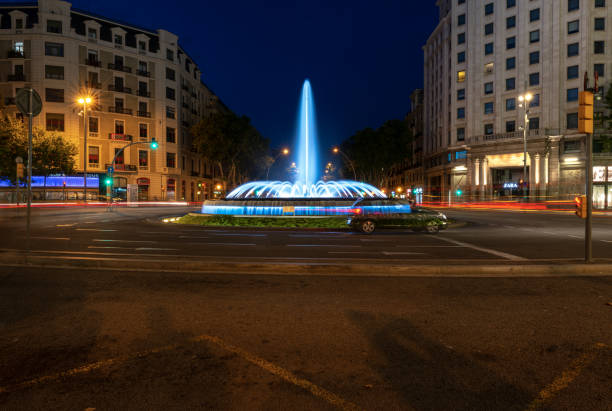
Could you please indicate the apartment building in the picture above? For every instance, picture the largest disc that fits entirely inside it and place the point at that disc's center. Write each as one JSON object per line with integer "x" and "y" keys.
{"x": 143, "y": 86}
{"x": 481, "y": 58}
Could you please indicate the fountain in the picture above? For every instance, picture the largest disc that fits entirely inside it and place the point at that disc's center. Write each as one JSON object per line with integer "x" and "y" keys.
{"x": 307, "y": 196}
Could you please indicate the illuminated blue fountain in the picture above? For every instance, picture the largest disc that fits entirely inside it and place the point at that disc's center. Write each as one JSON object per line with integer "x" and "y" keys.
{"x": 307, "y": 195}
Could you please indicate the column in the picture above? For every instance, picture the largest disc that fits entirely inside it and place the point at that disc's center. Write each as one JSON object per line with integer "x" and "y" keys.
{"x": 533, "y": 180}
{"x": 485, "y": 183}
{"x": 554, "y": 171}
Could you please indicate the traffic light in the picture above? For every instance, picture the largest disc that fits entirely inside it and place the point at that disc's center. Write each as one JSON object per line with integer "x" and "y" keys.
{"x": 154, "y": 144}
{"x": 459, "y": 192}
{"x": 585, "y": 112}
{"x": 581, "y": 206}
{"x": 108, "y": 181}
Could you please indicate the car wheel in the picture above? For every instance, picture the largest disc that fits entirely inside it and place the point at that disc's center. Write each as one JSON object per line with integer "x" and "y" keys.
{"x": 368, "y": 227}
{"x": 432, "y": 228}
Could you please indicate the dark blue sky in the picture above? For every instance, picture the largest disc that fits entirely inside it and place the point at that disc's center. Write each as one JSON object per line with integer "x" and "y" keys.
{"x": 363, "y": 57}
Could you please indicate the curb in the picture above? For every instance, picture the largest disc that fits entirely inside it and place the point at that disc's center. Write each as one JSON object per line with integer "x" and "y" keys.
{"x": 299, "y": 268}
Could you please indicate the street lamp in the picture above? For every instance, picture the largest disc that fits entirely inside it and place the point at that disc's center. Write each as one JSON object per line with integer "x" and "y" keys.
{"x": 524, "y": 100}
{"x": 283, "y": 152}
{"x": 336, "y": 150}
{"x": 84, "y": 101}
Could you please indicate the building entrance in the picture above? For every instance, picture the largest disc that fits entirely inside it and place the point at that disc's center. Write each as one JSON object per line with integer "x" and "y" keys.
{"x": 508, "y": 182}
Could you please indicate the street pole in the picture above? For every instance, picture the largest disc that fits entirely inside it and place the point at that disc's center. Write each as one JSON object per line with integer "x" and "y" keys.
{"x": 525, "y": 152}
{"x": 19, "y": 175}
{"x": 588, "y": 244}
{"x": 85, "y": 159}
{"x": 30, "y": 117}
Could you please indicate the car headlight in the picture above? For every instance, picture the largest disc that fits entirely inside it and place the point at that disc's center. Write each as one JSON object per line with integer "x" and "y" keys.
{"x": 441, "y": 216}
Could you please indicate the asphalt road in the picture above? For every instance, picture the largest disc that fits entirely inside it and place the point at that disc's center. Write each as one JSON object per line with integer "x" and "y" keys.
{"x": 114, "y": 339}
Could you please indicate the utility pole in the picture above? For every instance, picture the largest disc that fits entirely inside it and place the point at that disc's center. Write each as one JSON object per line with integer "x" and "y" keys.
{"x": 585, "y": 125}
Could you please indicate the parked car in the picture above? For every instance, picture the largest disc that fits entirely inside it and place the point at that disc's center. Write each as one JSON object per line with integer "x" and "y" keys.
{"x": 369, "y": 214}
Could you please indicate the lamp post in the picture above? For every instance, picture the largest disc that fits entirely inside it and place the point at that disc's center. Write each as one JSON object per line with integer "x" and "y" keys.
{"x": 336, "y": 150}
{"x": 284, "y": 152}
{"x": 84, "y": 101}
{"x": 524, "y": 100}
{"x": 19, "y": 175}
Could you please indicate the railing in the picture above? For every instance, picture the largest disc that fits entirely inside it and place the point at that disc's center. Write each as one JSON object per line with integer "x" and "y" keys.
{"x": 118, "y": 67}
{"x": 16, "y": 77}
{"x": 492, "y": 138}
{"x": 92, "y": 62}
{"x": 119, "y": 136}
{"x": 120, "y": 89}
{"x": 143, "y": 114}
{"x": 143, "y": 73}
{"x": 123, "y": 167}
{"x": 120, "y": 110}
{"x": 15, "y": 54}
{"x": 143, "y": 93}
{"x": 53, "y": 76}
{"x": 91, "y": 84}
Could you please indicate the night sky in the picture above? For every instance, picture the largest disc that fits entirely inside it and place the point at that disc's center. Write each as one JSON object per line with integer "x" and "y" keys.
{"x": 363, "y": 57}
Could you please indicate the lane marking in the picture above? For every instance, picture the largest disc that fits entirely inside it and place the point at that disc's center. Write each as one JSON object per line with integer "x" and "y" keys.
{"x": 323, "y": 245}
{"x": 51, "y": 238}
{"x": 400, "y": 253}
{"x": 273, "y": 369}
{"x": 607, "y": 241}
{"x": 155, "y": 249}
{"x": 94, "y": 229}
{"x": 65, "y": 225}
{"x": 575, "y": 236}
{"x": 241, "y": 234}
{"x": 566, "y": 377}
{"x": 102, "y": 240}
{"x": 484, "y": 250}
{"x": 192, "y": 237}
{"x": 247, "y": 244}
{"x": 108, "y": 246}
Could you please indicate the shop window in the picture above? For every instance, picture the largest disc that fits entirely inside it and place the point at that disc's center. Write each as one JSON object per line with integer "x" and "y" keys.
{"x": 93, "y": 153}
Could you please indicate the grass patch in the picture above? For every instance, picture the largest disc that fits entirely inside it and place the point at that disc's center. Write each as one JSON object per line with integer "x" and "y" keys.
{"x": 286, "y": 222}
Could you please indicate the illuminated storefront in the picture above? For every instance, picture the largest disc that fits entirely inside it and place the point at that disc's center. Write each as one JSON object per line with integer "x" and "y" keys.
{"x": 602, "y": 187}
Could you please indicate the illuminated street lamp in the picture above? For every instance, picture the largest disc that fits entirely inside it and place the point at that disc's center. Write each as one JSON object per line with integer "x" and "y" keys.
{"x": 283, "y": 152}
{"x": 336, "y": 150}
{"x": 524, "y": 100}
{"x": 84, "y": 101}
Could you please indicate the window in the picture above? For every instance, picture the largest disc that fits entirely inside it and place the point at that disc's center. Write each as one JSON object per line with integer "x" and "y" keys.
{"x": 510, "y": 104}
{"x": 119, "y": 158}
{"x": 142, "y": 45}
{"x": 572, "y": 72}
{"x": 600, "y": 24}
{"x": 142, "y": 66}
{"x": 54, "y": 49}
{"x": 510, "y": 84}
{"x": 488, "y": 129}
{"x": 488, "y": 108}
{"x": 572, "y": 50}
{"x": 600, "y": 3}
{"x": 461, "y": 112}
{"x": 571, "y": 146}
{"x": 170, "y": 112}
{"x": 599, "y": 69}
{"x": 510, "y": 63}
{"x": 119, "y": 127}
{"x": 510, "y": 3}
{"x": 170, "y": 74}
{"x": 510, "y": 22}
{"x": 460, "y": 2}
{"x": 489, "y": 67}
{"x": 461, "y": 76}
{"x": 510, "y": 43}
{"x": 55, "y": 122}
{"x": 573, "y": 27}
{"x": 461, "y": 57}
{"x": 488, "y": 9}
{"x": 488, "y": 48}
{"x": 171, "y": 160}
{"x": 93, "y": 124}
{"x": 571, "y": 120}
{"x": 488, "y": 88}
{"x": 599, "y": 47}
{"x": 572, "y": 94}
{"x": 460, "y": 38}
{"x": 54, "y": 72}
{"x": 54, "y": 26}
{"x": 534, "y": 36}
{"x": 510, "y": 126}
{"x": 573, "y": 5}
{"x": 170, "y": 93}
{"x": 461, "y": 134}
{"x": 170, "y": 135}
{"x": 93, "y": 153}
{"x": 461, "y": 94}
{"x": 534, "y": 15}
{"x": 534, "y": 57}
{"x": 534, "y": 79}
{"x": 534, "y": 123}
{"x": 18, "y": 24}
{"x": 488, "y": 28}
{"x": 535, "y": 101}
{"x": 54, "y": 95}
{"x": 143, "y": 130}
{"x": 143, "y": 158}
{"x": 118, "y": 39}
{"x": 18, "y": 48}
{"x": 170, "y": 54}
{"x": 92, "y": 33}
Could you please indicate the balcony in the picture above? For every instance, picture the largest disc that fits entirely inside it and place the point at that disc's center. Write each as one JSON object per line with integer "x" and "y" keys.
{"x": 118, "y": 67}
{"x": 143, "y": 114}
{"x": 16, "y": 77}
{"x": 123, "y": 167}
{"x": 143, "y": 73}
{"x": 119, "y": 89}
{"x": 91, "y": 84}
{"x": 495, "y": 138}
{"x": 15, "y": 54}
{"x": 119, "y": 137}
{"x": 143, "y": 93}
{"x": 120, "y": 110}
{"x": 93, "y": 62}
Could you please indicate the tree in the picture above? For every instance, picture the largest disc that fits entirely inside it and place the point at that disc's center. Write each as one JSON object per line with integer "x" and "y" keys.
{"x": 374, "y": 152}
{"x": 51, "y": 153}
{"x": 233, "y": 144}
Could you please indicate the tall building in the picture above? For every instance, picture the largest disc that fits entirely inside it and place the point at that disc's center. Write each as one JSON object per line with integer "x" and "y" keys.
{"x": 143, "y": 86}
{"x": 484, "y": 55}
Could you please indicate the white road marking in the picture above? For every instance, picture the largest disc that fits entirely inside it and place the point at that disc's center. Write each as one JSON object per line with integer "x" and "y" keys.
{"x": 93, "y": 229}
{"x": 51, "y": 238}
{"x": 484, "y": 250}
{"x": 607, "y": 241}
{"x": 241, "y": 234}
{"x": 98, "y": 240}
{"x": 400, "y": 253}
{"x": 189, "y": 236}
{"x": 240, "y": 244}
{"x": 155, "y": 249}
{"x": 575, "y": 236}
{"x": 322, "y": 245}
{"x": 99, "y": 247}
{"x": 65, "y": 225}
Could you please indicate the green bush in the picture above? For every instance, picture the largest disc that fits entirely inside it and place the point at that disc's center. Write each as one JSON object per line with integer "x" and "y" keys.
{"x": 287, "y": 222}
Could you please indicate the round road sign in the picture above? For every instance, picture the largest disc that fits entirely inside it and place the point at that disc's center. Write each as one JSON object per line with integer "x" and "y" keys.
{"x": 22, "y": 101}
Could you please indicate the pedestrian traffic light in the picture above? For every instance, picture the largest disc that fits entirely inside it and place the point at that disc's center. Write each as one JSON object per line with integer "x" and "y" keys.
{"x": 581, "y": 206}
{"x": 459, "y": 192}
{"x": 108, "y": 181}
{"x": 585, "y": 112}
{"x": 154, "y": 144}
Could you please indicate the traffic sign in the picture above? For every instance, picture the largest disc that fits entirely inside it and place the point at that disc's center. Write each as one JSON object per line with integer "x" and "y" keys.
{"x": 22, "y": 101}
{"x": 110, "y": 170}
